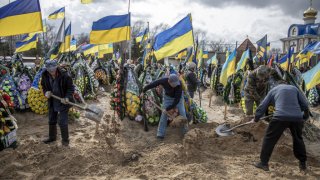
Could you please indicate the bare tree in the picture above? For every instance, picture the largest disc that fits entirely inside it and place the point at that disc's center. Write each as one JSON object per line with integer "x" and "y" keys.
{"x": 137, "y": 27}
{"x": 157, "y": 29}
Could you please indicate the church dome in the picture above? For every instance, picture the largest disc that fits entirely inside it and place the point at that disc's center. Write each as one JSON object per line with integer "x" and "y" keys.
{"x": 310, "y": 13}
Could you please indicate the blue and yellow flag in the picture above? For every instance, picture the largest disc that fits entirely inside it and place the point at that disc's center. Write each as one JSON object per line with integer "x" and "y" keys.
{"x": 73, "y": 45}
{"x": 174, "y": 39}
{"x": 181, "y": 54}
{"x": 213, "y": 60}
{"x": 243, "y": 61}
{"x": 205, "y": 55}
{"x": 65, "y": 46}
{"x": 57, "y": 14}
{"x": 228, "y": 68}
{"x": 312, "y": 77}
{"x": 29, "y": 42}
{"x": 20, "y": 17}
{"x": 142, "y": 36}
{"x": 86, "y": 1}
{"x": 89, "y": 49}
{"x": 105, "y": 49}
{"x": 286, "y": 60}
{"x": 262, "y": 48}
{"x": 306, "y": 54}
{"x": 110, "y": 29}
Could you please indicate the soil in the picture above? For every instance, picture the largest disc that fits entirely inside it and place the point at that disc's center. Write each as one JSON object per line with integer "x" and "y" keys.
{"x": 123, "y": 150}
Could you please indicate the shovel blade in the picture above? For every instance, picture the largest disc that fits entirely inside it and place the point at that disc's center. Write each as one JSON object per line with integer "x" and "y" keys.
{"x": 221, "y": 130}
{"x": 94, "y": 113}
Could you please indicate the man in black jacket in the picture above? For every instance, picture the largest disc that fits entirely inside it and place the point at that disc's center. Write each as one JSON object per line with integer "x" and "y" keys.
{"x": 289, "y": 105}
{"x": 191, "y": 79}
{"x": 56, "y": 81}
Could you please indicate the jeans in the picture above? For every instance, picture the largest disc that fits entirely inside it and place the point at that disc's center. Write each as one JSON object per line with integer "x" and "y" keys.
{"x": 274, "y": 132}
{"x": 167, "y": 101}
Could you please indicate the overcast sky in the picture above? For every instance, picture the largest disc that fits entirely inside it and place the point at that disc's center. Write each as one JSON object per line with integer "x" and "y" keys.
{"x": 229, "y": 20}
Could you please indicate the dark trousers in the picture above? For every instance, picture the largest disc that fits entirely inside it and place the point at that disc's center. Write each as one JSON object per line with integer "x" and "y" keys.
{"x": 274, "y": 132}
{"x": 63, "y": 117}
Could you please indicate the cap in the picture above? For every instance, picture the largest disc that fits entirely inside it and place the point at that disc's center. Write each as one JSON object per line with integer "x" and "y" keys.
{"x": 51, "y": 65}
{"x": 174, "y": 80}
{"x": 263, "y": 72}
{"x": 191, "y": 65}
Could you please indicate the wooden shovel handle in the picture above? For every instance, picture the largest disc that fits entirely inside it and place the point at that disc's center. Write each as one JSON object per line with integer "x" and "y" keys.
{"x": 68, "y": 102}
{"x": 164, "y": 111}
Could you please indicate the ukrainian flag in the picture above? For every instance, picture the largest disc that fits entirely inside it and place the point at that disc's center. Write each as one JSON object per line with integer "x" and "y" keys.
{"x": 142, "y": 36}
{"x": 305, "y": 55}
{"x": 20, "y": 17}
{"x": 73, "y": 45}
{"x": 228, "y": 68}
{"x": 205, "y": 55}
{"x": 105, "y": 49}
{"x": 110, "y": 29}
{"x": 89, "y": 49}
{"x": 27, "y": 43}
{"x": 175, "y": 39}
{"x": 284, "y": 61}
{"x": 86, "y": 1}
{"x": 57, "y": 14}
{"x": 213, "y": 60}
{"x": 65, "y": 46}
{"x": 243, "y": 61}
{"x": 312, "y": 77}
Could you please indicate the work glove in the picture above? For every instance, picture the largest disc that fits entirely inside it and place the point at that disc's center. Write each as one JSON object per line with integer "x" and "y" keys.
{"x": 48, "y": 94}
{"x": 65, "y": 101}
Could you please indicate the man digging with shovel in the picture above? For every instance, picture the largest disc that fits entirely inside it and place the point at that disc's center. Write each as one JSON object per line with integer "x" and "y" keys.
{"x": 172, "y": 98}
{"x": 57, "y": 82}
{"x": 291, "y": 110}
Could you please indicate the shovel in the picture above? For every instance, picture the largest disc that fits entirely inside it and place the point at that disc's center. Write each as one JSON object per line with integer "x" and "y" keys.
{"x": 175, "y": 120}
{"x": 92, "y": 112}
{"x": 225, "y": 130}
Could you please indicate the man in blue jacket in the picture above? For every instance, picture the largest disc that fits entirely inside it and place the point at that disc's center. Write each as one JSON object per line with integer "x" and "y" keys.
{"x": 291, "y": 110}
{"x": 172, "y": 98}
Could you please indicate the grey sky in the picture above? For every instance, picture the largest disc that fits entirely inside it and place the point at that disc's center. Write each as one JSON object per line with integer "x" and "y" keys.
{"x": 229, "y": 20}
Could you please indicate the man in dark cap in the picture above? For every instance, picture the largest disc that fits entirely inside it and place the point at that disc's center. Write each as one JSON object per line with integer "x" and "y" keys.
{"x": 56, "y": 81}
{"x": 172, "y": 98}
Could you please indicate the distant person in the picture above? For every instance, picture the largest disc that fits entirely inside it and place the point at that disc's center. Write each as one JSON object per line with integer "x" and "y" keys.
{"x": 191, "y": 79}
{"x": 291, "y": 111}
{"x": 256, "y": 87}
{"x": 56, "y": 81}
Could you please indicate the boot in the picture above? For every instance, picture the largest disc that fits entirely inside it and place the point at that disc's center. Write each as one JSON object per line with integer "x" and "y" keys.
{"x": 52, "y": 134}
{"x": 65, "y": 135}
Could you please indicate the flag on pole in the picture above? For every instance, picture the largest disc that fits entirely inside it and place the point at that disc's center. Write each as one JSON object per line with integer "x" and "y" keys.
{"x": 54, "y": 51}
{"x": 228, "y": 68}
{"x": 243, "y": 61}
{"x": 262, "y": 48}
{"x": 65, "y": 46}
{"x": 30, "y": 42}
{"x": 142, "y": 36}
{"x": 20, "y": 17}
{"x": 312, "y": 77}
{"x": 58, "y": 14}
{"x": 205, "y": 55}
{"x": 110, "y": 29}
{"x": 105, "y": 49}
{"x": 285, "y": 60}
{"x": 73, "y": 45}
{"x": 174, "y": 39}
{"x": 213, "y": 60}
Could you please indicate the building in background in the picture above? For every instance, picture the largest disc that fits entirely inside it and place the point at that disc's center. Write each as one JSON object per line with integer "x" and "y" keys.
{"x": 299, "y": 35}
